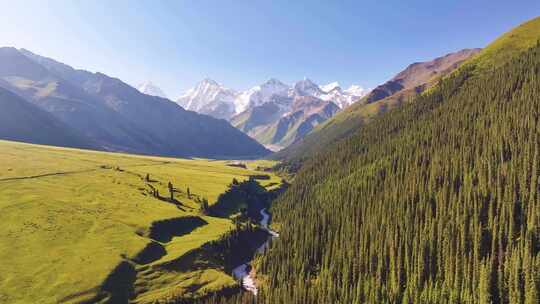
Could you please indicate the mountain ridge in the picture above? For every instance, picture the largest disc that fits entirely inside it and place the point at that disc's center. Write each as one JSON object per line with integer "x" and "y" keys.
{"x": 24, "y": 122}
{"x": 393, "y": 93}
{"x": 117, "y": 116}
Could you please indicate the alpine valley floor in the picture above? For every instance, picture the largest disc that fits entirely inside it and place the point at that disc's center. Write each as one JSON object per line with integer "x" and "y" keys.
{"x": 78, "y": 224}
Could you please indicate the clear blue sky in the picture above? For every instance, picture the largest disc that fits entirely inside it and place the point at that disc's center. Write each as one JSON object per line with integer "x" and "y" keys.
{"x": 242, "y": 43}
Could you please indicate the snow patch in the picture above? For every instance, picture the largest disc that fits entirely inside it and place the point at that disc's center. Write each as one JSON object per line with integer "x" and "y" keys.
{"x": 151, "y": 89}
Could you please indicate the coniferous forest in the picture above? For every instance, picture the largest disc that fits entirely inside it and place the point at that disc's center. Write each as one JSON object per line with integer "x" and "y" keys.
{"x": 436, "y": 202}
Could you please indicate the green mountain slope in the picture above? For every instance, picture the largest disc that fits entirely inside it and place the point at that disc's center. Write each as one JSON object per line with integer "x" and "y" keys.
{"x": 434, "y": 202}
{"x": 410, "y": 82}
{"x": 23, "y": 121}
{"x": 509, "y": 45}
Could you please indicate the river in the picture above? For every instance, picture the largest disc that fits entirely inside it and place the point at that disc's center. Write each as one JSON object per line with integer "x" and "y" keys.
{"x": 242, "y": 272}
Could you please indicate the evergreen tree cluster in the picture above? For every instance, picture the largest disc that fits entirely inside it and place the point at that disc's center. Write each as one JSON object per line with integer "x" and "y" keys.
{"x": 435, "y": 202}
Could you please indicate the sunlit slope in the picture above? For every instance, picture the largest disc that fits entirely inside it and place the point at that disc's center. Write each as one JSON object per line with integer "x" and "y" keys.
{"x": 69, "y": 217}
{"x": 351, "y": 119}
{"x": 434, "y": 202}
{"x": 509, "y": 45}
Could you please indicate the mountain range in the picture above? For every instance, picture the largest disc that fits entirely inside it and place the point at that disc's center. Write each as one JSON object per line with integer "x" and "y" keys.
{"x": 111, "y": 115}
{"x": 274, "y": 113}
{"x": 212, "y": 98}
{"x": 410, "y": 82}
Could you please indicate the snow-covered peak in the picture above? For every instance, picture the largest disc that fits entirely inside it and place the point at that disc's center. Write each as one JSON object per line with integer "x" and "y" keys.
{"x": 357, "y": 90}
{"x": 209, "y": 97}
{"x": 329, "y": 87}
{"x": 343, "y": 98}
{"x": 149, "y": 88}
{"x": 307, "y": 87}
{"x": 261, "y": 94}
{"x": 274, "y": 82}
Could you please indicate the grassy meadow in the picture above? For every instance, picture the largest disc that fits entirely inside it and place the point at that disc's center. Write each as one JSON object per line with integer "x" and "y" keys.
{"x": 70, "y": 217}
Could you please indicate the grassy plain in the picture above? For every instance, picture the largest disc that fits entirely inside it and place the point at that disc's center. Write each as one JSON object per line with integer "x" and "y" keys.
{"x": 70, "y": 217}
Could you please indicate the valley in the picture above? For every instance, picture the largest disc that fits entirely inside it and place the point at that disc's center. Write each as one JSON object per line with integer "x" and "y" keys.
{"x": 422, "y": 187}
{"x": 99, "y": 214}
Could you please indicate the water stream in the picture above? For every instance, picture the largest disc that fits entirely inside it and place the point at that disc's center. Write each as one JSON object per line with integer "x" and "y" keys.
{"x": 242, "y": 272}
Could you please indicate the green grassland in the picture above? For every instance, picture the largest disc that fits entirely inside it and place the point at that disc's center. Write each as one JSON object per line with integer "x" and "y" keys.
{"x": 70, "y": 217}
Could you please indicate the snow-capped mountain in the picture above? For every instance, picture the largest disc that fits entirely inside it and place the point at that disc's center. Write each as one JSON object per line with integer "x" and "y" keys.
{"x": 306, "y": 87}
{"x": 149, "y": 88}
{"x": 329, "y": 87}
{"x": 356, "y": 90}
{"x": 211, "y": 98}
{"x": 342, "y": 98}
{"x": 261, "y": 94}
{"x": 272, "y": 112}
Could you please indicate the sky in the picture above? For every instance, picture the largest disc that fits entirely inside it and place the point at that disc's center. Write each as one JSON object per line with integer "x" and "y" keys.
{"x": 242, "y": 43}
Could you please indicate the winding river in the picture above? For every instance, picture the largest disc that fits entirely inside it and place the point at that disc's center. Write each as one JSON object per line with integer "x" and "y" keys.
{"x": 242, "y": 272}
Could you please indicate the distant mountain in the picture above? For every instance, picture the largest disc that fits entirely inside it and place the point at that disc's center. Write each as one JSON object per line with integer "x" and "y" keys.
{"x": 414, "y": 80}
{"x": 25, "y": 122}
{"x": 330, "y": 92}
{"x": 342, "y": 98}
{"x": 307, "y": 112}
{"x": 420, "y": 73}
{"x": 116, "y": 116}
{"x": 276, "y": 128}
{"x": 258, "y": 95}
{"x": 306, "y": 87}
{"x": 329, "y": 87}
{"x": 151, "y": 89}
{"x": 259, "y": 110}
{"x": 283, "y": 120}
{"x": 356, "y": 90}
{"x": 211, "y": 98}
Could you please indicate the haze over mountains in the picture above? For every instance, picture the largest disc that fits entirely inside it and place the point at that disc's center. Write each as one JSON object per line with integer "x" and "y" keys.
{"x": 115, "y": 116}
{"x": 23, "y": 121}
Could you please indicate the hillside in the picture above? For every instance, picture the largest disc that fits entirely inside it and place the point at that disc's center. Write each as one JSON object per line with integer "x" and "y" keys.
{"x": 25, "y": 122}
{"x": 109, "y": 228}
{"x": 116, "y": 116}
{"x": 433, "y": 202}
{"x": 410, "y": 82}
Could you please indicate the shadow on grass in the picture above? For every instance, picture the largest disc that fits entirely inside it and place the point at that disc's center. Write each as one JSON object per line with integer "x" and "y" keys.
{"x": 151, "y": 253}
{"x": 118, "y": 286}
{"x": 164, "y": 230}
